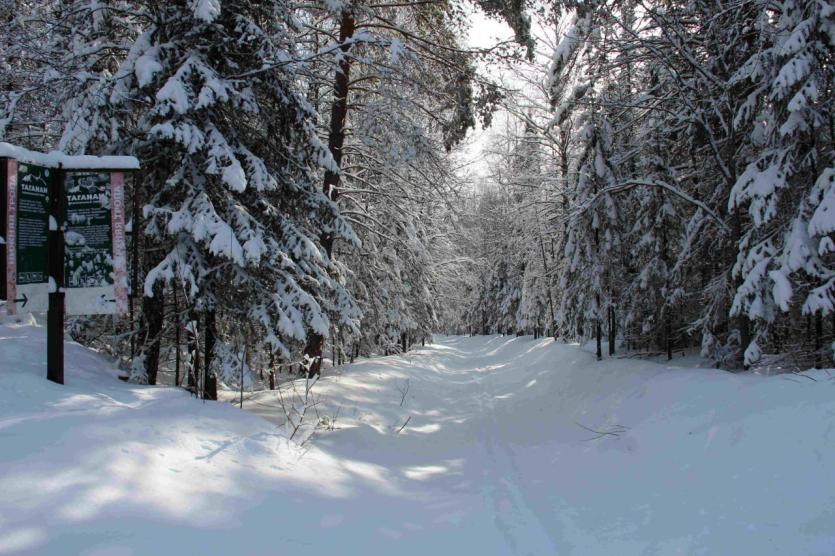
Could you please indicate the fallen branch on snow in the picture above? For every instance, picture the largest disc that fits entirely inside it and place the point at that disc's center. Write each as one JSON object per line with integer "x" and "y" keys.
{"x": 615, "y": 431}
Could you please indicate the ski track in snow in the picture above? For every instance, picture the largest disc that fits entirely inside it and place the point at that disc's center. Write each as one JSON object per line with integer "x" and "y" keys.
{"x": 492, "y": 460}
{"x": 522, "y": 530}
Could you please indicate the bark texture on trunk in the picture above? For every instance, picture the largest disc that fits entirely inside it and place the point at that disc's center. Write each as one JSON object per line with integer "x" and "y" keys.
{"x": 193, "y": 350}
{"x": 177, "y": 339}
{"x": 152, "y": 320}
{"x": 209, "y": 377}
{"x": 336, "y": 140}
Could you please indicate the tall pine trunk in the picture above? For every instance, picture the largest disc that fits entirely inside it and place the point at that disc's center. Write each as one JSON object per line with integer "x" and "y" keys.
{"x": 336, "y": 140}
{"x": 177, "y": 324}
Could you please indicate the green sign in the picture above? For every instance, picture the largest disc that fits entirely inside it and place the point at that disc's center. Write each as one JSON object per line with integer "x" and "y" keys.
{"x": 32, "y": 223}
{"x": 88, "y": 236}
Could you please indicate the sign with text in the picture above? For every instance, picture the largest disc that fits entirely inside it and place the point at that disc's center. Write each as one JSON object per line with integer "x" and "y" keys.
{"x": 95, "y": 276}
{"x": 27, "y": 229}
{"x": 63, "y": 250}
{"x": 94, "y": 238}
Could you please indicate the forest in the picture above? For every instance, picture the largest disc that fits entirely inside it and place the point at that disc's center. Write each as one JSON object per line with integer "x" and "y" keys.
{"x": 658, "y": 177}
{"x": 445, "y": 277}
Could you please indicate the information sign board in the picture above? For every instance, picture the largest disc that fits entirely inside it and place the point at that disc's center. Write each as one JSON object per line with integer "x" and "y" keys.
{"x": 27, "y": 189}
{"x": 94, "y": 239}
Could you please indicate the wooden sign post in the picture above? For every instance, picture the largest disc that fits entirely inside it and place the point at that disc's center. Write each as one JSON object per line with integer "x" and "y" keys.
{"x": 55, "y": 286}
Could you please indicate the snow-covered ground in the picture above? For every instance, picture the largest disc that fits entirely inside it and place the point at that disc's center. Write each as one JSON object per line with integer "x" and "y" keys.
{"x": 497, "y": 457}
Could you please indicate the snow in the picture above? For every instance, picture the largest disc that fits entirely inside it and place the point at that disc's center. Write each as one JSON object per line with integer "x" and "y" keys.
{"x": 234, "y": 176}
{"x": 147, "y": 66}
{"x": 206, "y": 10}
{"x": 823, "y": 221}
{"x": 335, "y": 6}
{"x": 57, "y": 159}
{"x": 173, "y": 93}
{"x": 782, "y": 291}
{"x": 569, "y": 41}
{"x": 510, "y": 446}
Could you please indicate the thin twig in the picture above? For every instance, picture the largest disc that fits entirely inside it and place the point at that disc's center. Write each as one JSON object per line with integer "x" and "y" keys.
{"x": 404, "y": 424}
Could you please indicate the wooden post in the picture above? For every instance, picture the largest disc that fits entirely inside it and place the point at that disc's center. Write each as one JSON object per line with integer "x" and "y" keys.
{"x": 4, "y": 230}
{"x": 55, "y": 314}
{"x": 134, "y": 271}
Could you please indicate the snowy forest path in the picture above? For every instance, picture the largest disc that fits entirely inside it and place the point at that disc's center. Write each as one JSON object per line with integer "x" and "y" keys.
{"x": 453, "y": 465}
{"x": 483, "y": 445}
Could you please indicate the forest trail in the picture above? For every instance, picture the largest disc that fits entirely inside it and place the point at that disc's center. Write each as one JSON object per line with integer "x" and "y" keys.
{"x": 455, "y": 455}
{"x": 495, "y": 458}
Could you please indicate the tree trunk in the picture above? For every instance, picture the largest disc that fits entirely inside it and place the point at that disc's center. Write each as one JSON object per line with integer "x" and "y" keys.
{"x": 742, "y": 319}
{"x": 209, "y": 377}
{"x": 818, "y": 339}
{"x": 336, "y": 140}
{"x": 612, "y": 331}
{"x": 177, "y": 324}
{"x": 193, "y": 350}
{"x": 152, "y": 320}
{"x": 598, "y": 333}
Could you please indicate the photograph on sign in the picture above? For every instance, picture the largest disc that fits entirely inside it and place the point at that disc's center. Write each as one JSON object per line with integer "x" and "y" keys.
{"x": 89, "y": 274}
{"x": 28, "y": 223}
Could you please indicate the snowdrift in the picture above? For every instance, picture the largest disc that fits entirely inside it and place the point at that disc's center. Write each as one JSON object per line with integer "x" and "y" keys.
{"x": 483, "y": 445}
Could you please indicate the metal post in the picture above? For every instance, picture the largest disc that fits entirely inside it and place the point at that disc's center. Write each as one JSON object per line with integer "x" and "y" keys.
{"x": 55, "y": 315}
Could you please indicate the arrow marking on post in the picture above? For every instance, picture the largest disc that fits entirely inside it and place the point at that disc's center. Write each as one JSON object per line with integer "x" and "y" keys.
{"x": 25, "y": 300}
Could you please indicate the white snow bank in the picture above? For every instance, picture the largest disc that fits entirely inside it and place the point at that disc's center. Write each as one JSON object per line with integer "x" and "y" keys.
{"x": 55, "y": 159}
{"x": 494, "y": 459}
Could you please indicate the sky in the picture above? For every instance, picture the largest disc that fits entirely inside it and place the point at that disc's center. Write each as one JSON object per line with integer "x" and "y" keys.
{"x": 484, "y": 33}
